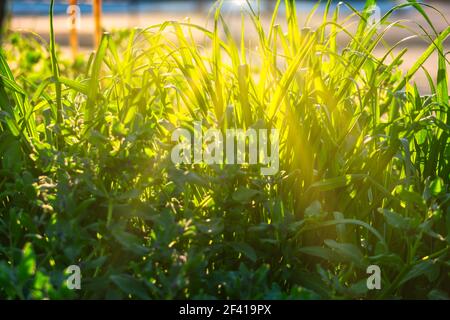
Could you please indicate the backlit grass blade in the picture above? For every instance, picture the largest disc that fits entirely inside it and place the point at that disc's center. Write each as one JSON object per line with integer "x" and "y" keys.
{"x": 93, "y": 88}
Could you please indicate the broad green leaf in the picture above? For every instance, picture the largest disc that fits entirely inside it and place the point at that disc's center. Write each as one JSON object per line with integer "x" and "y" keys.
{"x": 244, "y": 195}
{"x": 130, "y": 285}
{"x": 129, "y": 241}
{"x": 130, "y": 115}
{"x": 245, "y": 249}
{"x": 347, "y": 250}
{"x": 422, "y": 268}
{"x": 395, "y": 220}
{"x": 437, "y": 294}
{"x": 27, "y": 265}
{"x": 336, "y": 183}
{"x": 437, "y": 186}
{"x": 321, "y": 252}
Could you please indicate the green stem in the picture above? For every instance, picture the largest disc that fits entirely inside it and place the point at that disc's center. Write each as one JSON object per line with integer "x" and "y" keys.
{"x": 55, "y": 71}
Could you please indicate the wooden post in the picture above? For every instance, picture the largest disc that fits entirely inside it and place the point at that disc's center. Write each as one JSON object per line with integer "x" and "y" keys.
{"x": 97, "y": 22}
{"x": 73, "y": 13}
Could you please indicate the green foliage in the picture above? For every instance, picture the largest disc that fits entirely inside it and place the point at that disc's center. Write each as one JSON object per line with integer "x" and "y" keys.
{"x": 86, "y": 176}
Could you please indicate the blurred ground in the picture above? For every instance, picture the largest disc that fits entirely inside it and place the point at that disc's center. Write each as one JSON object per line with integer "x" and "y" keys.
{"x": 111, "y": 21}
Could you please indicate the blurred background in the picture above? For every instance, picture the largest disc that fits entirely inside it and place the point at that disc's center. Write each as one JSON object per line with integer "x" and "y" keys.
{"x": 78, "y": 17}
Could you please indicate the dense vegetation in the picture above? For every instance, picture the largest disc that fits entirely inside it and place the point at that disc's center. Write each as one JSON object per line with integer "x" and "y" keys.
{"x": 86, "y": 176}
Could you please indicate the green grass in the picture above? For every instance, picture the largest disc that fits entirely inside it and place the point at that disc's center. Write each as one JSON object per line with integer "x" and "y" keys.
{"x": 86, "y": 176}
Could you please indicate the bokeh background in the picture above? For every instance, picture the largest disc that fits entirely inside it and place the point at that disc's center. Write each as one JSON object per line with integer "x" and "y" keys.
{"x": 32, "y": 16}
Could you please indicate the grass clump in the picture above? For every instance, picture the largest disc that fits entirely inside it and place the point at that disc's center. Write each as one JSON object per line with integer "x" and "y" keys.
{"x": 86, "y": 176}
